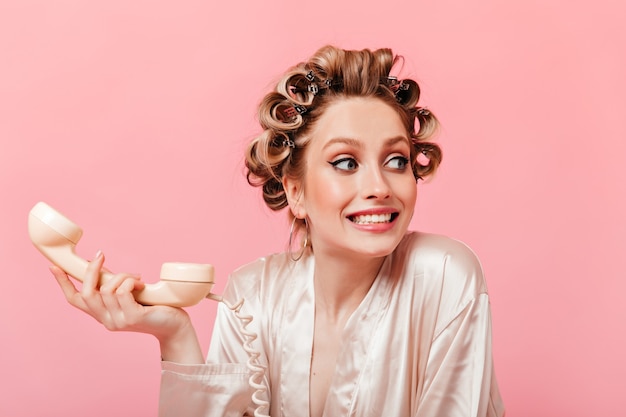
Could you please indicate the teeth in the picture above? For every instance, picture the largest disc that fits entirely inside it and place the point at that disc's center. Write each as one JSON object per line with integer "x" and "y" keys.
{"x": 372, "y": 218}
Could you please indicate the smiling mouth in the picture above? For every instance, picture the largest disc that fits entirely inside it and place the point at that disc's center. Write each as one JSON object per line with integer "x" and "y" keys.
{"x": 373, "y": 218}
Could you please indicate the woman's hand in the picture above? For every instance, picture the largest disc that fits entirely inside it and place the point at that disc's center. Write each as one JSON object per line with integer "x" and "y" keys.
{"x": 113, "y": 305}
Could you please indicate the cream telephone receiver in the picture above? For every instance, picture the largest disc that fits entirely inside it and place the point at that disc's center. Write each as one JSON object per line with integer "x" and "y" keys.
{"x": 181, "y": 284}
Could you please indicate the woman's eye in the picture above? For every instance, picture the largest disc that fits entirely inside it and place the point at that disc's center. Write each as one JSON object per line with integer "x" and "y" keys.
{"x": 345, "y": 164}
{"x": 398, "y": 162}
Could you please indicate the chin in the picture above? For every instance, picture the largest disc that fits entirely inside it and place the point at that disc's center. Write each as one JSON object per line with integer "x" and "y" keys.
{"x": 379, "y": 247}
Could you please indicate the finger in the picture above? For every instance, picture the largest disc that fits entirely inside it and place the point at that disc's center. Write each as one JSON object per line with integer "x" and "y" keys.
{"x": 110, "y": 286}
{"x": 119, "y": 288}
{"x": 90, "y": 293}
{"x": 67, "y": 286}
{"x": 92, "y": 275}
{"x": 126, "y": 297}
{"x": 108, "y": 292}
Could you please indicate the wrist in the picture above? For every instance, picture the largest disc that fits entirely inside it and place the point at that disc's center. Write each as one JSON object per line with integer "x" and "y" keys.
{"x": 181, "y": 346}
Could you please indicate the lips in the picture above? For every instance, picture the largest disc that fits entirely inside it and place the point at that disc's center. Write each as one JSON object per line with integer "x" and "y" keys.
{"x": 373, "y": 218}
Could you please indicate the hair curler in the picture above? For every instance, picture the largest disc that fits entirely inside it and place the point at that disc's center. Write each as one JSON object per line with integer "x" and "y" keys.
{"x": 55, "y": 236}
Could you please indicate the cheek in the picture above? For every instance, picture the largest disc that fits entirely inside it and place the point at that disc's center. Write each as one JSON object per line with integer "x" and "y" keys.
{"x": 408, "y": 192}
{"x": 326, "y": 194}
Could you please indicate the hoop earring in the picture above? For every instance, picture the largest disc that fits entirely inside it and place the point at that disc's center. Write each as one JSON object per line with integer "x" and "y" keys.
{"x": 306, "y": 239}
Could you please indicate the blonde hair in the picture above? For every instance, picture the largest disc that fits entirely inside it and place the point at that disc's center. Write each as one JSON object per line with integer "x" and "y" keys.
{"x": 301, "y": 96}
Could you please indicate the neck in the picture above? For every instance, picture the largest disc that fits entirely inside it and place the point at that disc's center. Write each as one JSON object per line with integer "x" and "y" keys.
{"x": 341, "y": 285}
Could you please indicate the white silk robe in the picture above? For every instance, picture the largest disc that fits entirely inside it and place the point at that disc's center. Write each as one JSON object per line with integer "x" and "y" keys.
{"x": 418, "y": 345}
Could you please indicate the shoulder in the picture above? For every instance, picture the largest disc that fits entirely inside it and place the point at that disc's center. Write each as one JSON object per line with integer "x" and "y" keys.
{"x": 444, "y": 275}
{"x": 273, "y": 263}
{"x": 265, "y": 276}
{"x": 442, "y": 261}
{"x": 433, "y": 248}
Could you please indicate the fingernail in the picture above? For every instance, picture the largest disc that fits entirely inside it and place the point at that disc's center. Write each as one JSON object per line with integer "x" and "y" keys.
{"x": 98, "y": 255}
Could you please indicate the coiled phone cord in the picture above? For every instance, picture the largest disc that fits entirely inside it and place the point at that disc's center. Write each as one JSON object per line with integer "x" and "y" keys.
{"x": 258, "y": 370}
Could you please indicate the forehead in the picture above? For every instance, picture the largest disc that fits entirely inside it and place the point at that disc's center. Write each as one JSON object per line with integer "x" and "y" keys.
{"x": 360, "y": 118}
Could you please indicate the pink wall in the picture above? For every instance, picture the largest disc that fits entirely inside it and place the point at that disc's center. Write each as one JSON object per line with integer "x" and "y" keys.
{"x": 131, "y": 117}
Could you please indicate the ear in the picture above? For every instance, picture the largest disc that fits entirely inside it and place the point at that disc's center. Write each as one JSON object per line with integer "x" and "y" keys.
{"x": 295, "y": 196}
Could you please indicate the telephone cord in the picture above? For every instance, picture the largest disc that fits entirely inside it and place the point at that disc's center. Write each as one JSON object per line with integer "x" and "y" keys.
{"x": 258, "y": 370}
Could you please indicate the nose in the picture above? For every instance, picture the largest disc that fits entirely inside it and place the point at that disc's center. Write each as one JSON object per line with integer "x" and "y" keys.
{"x": 374, "y": 184}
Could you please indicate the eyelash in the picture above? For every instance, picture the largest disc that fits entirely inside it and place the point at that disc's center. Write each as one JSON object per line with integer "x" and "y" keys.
{"x": 335, "y": 164}
{"x": 405, "y": 161}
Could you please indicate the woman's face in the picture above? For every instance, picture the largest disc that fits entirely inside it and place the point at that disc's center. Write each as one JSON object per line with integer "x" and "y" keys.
{"x": 359, "y": 191}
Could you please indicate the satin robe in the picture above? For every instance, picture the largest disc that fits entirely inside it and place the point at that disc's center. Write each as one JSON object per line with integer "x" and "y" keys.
{"x": 418, "y": 345}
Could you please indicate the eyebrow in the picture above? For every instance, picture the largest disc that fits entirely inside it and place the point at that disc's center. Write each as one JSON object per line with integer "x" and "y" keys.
{"x": 358, "y": 144}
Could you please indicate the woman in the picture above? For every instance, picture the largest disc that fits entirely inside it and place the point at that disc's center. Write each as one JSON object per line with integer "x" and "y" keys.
{"x": 365, "y": 319}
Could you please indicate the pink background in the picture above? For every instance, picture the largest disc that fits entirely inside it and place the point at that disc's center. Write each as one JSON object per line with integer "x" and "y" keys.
{"x": 131, "y": 117}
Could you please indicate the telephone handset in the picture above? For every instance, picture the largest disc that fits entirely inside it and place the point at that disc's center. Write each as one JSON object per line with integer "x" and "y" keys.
{"x": 181, "y": 285}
